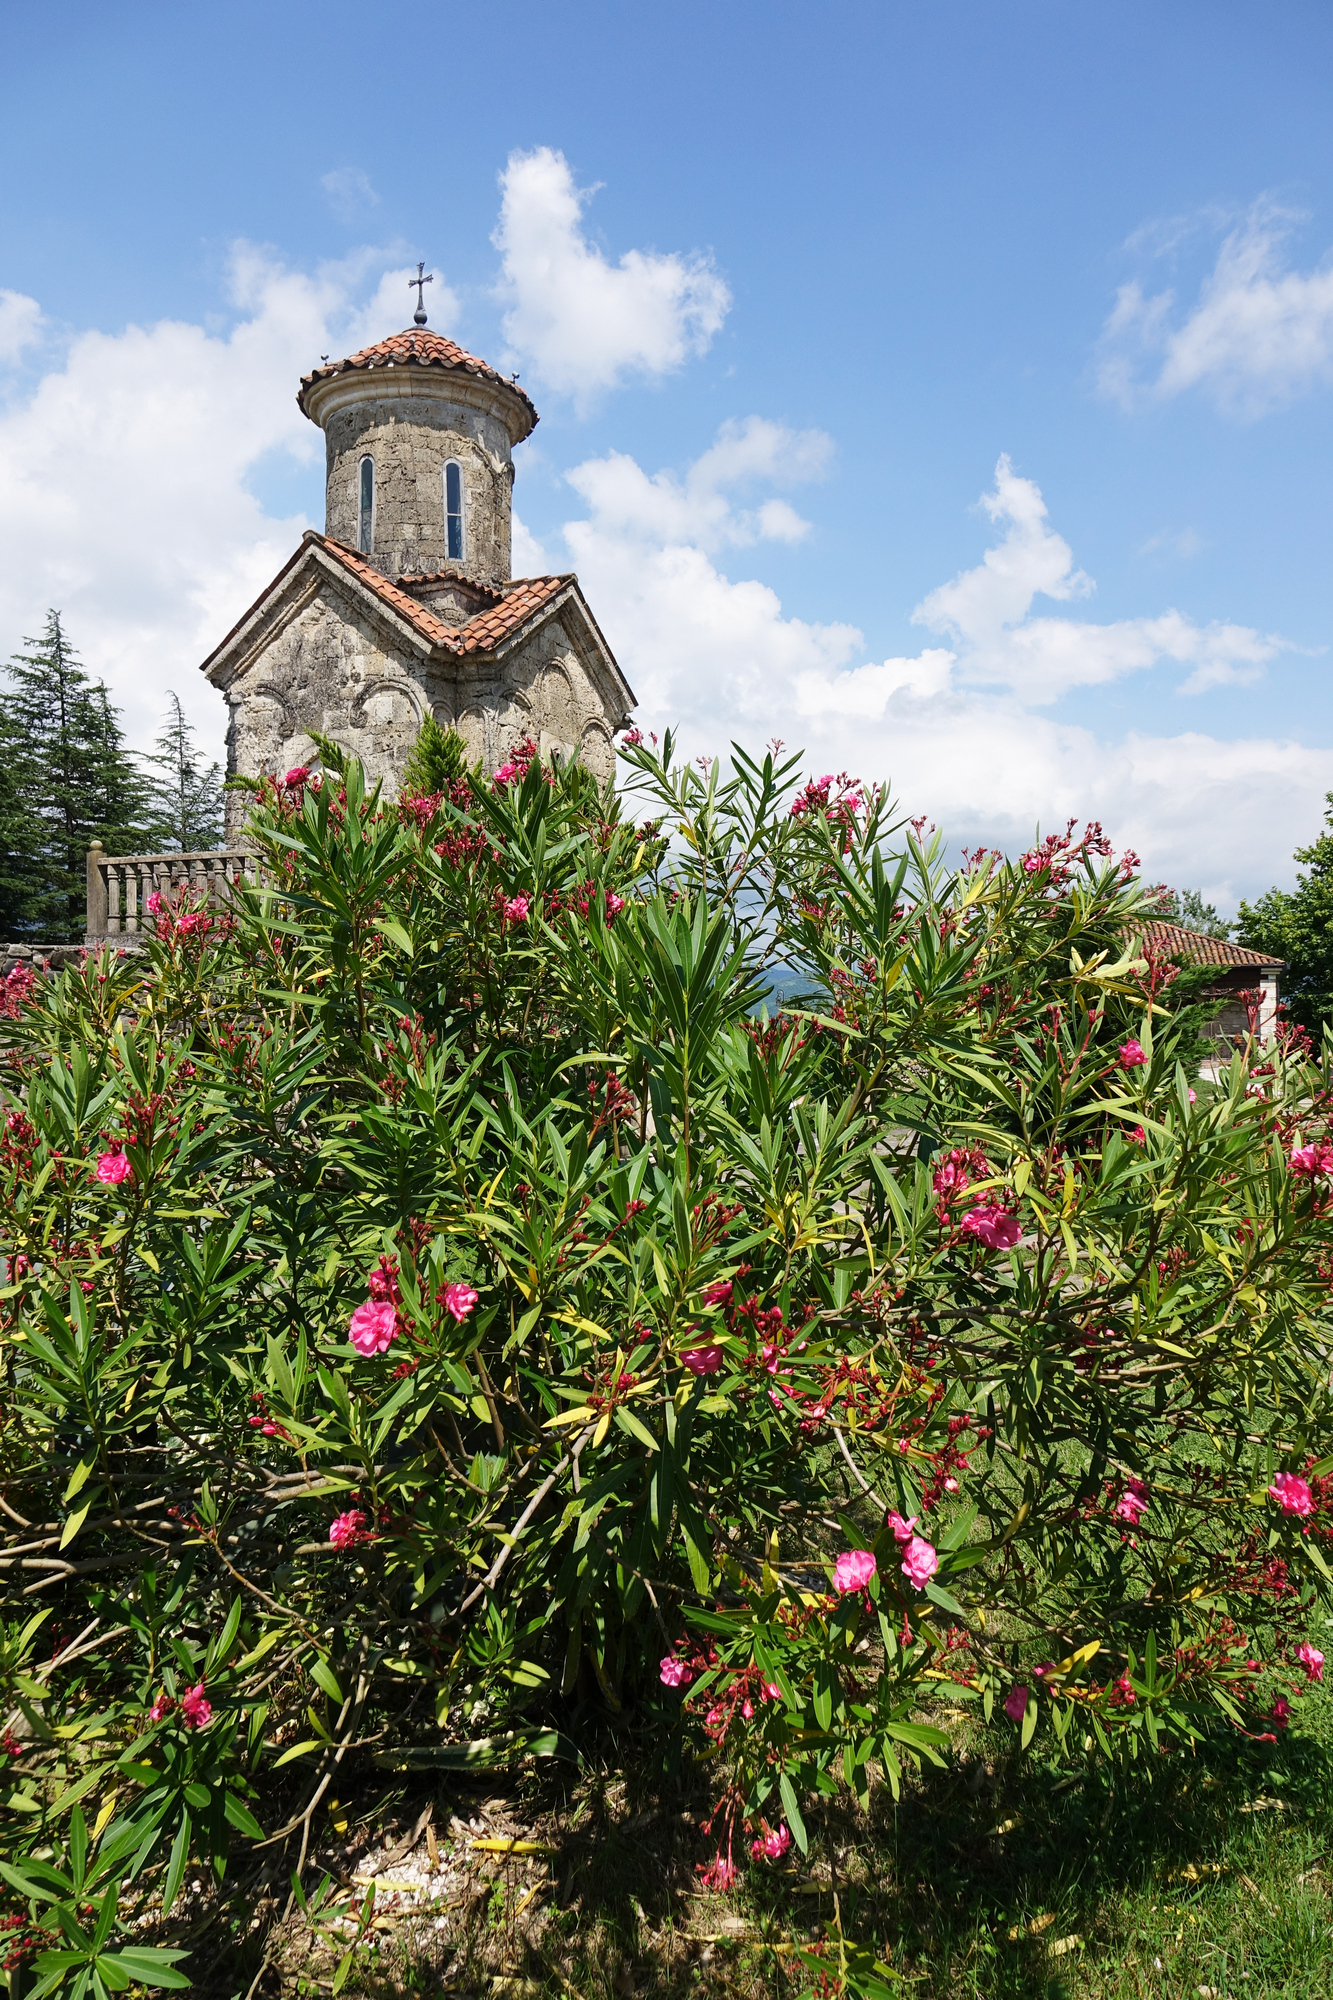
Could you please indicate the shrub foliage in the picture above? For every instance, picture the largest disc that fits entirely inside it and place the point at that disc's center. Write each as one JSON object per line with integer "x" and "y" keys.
{"x": 522, "y": 1277}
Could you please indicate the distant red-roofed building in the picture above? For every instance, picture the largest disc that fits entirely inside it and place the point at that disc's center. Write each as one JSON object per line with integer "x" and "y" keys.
{"x": 405, "y": 606}
{"x": 1237, "y": 973}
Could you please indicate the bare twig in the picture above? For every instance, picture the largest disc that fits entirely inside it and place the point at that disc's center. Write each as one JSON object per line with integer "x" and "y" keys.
{"x": 492, "y": 1575}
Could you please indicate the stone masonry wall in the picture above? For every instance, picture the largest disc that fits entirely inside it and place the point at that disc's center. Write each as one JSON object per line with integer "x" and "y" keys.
{"x": 332, "y": 668}
{"x": 411, "y": 437}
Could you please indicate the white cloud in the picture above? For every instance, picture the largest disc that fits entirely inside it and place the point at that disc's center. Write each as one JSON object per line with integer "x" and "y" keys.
{"x": 20, "y": 324}
{"x": 126, "y": 501}
{"x": 1182, "y": 543}
{"x": 350, "y": 192}
{"x": 951, "y": 728}
{"x": 577, "y": 321}
{"x": 699, "y": 507}
{"x": 1259, "y": 333}
{"x": 987, "y": 613}
{"x": 526, "y": 554}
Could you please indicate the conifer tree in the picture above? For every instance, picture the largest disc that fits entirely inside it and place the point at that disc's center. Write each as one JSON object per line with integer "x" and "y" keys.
{"x": 187, "y": 797}
{"x": 438, "y": 760}
{"x": 70, "y": 781}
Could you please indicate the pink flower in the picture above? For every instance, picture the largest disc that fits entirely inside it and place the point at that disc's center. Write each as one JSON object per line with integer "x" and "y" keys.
{"x": 614, "y": 904}
{"x": 1192, "y": 1097}
{"x": 1292, "y": 1494}
{"x": 196, "y": 1710}
{"x": 773, "y": 1845}
{"x": 1016, "y": 1703}
{"x": 720, "y": 1873}
{"x": 374, "y": 1327}
{"x": 853, "y": 1570}
{"x": 154, "y": 903}
{"x": 348, "y": 1529}
{"x": 1312, "y": 1660}
{"x": 161, "y": 1708}
{"x": 674, "y": 1673}
{"x": 902, "y": 1530}
{"x": 920, "y": 1562}
{"x": 459, "y": 1300}
{"x": 1311, "y": 1160}
{"x": 1131, "y": 1055}
{"x": 718, "y": 1294}
{"x": 516, "y": 910}
{"x": 506, "y": 774}
{"x": 993, "y": 1226}
{"x": 113, "y": 1168}
{"x": 702, "y": 1360}
{"x": 1281, "y": 1712}
{"x": 297, "y": 775}
{"x": 1132, "y": 1502}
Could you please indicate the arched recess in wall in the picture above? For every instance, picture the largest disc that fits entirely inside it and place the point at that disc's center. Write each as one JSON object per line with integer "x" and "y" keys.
{"x": 264, "y": 724}
{"x": 596, "y": 751}
{"x": 388, "y": 705}
{"x": 557, "y": 703}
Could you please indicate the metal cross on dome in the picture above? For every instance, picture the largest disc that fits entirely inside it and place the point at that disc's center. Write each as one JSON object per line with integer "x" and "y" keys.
{"x": 419, "y": 316}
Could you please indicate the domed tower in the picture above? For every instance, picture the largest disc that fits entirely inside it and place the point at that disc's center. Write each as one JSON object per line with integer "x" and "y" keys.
{"x": 419, "y": 437}
{"x": 405, "y": 606}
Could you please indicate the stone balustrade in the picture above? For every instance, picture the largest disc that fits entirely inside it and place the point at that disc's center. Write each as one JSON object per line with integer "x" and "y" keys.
{"x": 119, "y": 885}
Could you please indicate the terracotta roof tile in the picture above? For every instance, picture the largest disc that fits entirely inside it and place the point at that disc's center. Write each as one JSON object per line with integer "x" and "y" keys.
{"x": 423, "y": 349}
{"x": 513, "y": 607}
{"x": 430, "y": 627}
{"x": 1193, "y": 948}
{"x": 524, "y": 597}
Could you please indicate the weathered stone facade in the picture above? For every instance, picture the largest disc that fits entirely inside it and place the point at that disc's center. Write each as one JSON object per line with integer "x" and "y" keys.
{"x": 374, "y": 625}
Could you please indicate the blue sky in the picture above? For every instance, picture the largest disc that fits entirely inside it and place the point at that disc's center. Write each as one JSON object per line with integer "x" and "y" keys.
{"x": 793, "y": 290}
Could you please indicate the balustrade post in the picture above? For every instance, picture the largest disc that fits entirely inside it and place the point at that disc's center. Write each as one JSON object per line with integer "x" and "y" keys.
{"x": 95, "y": 923}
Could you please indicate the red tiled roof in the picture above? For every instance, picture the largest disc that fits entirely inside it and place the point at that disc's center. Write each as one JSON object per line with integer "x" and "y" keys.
{"x": 422, "y": 348}
{"x": 1193, "y": 948}
{"x": 526, "y": 595}
{"x": 513, "y": 607}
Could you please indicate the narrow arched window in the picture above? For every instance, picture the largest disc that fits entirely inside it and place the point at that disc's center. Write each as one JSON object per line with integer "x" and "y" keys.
{"x": 365, "y": 510}
{"x": 453, "y": 509}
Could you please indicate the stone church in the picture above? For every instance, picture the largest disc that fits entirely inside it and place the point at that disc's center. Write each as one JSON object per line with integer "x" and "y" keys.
{"x": 405, "y": 606}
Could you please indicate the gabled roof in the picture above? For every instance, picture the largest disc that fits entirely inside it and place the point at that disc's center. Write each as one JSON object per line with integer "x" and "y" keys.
{"x": 511, "y": 606}
{"x": 1184, "y": 947}
{"x": 418, "y": 347}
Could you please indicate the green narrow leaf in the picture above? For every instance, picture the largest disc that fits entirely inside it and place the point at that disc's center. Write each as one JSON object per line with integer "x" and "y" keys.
{"x": 1029, "y": 1722}
{"x": 793, "y": 1812}
{"x": 180, "y": 1852}
{"x": 324, "y": 1677}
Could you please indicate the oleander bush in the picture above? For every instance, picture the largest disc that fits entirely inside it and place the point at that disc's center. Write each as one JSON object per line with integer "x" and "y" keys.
{"x": 527, "y": 1281}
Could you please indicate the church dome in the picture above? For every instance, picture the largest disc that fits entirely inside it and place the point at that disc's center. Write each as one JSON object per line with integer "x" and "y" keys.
{"x": 421, "y": 347}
